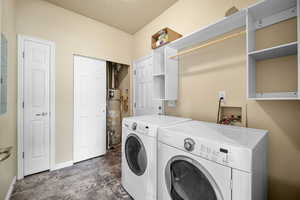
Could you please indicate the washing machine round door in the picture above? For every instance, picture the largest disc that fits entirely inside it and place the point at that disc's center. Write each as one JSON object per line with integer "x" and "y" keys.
{"x": 135, "y": 153}
{"x": 187, "y": 180}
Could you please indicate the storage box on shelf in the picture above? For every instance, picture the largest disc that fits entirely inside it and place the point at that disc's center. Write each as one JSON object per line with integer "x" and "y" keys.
{"x": 262, "y": 16}
{"x": 164, "y": 37}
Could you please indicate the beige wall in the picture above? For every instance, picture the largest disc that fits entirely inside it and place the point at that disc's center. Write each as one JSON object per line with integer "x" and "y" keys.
{"x": 73, "y": 34}
{"x": 8, "y": 121}
{"x": 223, "y": 67}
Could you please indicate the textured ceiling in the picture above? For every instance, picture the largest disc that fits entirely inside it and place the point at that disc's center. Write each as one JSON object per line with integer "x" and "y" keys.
{"x": 126, "y": 15}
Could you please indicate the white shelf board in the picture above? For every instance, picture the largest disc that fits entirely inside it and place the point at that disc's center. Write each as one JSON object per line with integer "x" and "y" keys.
{"x": 160, "y": 74}
{"x": 211, "y": 31}
{"x": 268, "y": 8}
{"x": 275, "y": 52}
{"x": 163, "y": 99}
{"x": 276, "y": 96}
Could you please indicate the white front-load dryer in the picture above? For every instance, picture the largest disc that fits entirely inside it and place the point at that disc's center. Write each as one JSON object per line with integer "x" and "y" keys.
{"x": 199, "y": 160}
{"x": 139, "y": 154}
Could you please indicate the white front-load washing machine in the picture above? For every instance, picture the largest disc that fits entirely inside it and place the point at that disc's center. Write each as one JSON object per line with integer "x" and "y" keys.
{"x": 139, "y": 154}
{"x": 199, "y": 160}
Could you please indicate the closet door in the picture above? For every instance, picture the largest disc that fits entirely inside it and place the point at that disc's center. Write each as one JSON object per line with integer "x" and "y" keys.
{"x": 89, "y": 108}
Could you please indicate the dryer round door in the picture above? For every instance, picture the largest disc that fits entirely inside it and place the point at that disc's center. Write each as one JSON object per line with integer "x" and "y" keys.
{"x": 186, "y": 179}
{"x": 135, "y": 154}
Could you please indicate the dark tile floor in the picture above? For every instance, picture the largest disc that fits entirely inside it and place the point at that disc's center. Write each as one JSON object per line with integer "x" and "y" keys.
{"x": 96, "y": 179}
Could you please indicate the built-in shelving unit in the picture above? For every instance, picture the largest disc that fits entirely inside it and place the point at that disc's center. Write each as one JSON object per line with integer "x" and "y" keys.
{"x": 263, "y": 15}
{"x": 258, "y": 16}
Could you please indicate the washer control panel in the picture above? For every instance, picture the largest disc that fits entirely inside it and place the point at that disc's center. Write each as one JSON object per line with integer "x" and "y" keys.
{"x": 220, "y": 155}
{"x": 138, "y": 127}
{"x": 134, "y": 126}
{"x": 143, "y": 129}
{"x": 230, "y": 155}
{"x": 189, "y": 144}
{"x": 211, "y": 152}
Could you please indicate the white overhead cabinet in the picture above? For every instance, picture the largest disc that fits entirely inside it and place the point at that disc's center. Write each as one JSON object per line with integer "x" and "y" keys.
{"x": 272, "y": 83}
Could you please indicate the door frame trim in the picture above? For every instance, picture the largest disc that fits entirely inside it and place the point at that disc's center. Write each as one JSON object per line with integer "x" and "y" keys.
{"x": 21, "y": 40}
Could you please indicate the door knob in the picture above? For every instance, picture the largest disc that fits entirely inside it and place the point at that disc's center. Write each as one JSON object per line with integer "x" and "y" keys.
{"x": 42, "y": 114}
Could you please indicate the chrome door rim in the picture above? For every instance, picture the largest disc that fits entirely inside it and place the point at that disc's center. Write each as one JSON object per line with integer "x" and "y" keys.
{"x": 128, "y": 160}
{"x": 199, "y": 167}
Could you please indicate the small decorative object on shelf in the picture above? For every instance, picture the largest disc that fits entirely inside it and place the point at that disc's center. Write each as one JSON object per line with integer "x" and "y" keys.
{"x": 231, "y": 11}
{"x": 163, "y": 37}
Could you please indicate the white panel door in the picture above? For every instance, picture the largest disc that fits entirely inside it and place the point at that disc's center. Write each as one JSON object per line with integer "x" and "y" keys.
{"x": 89, "y": 108}
{"x": 36, "y": 107}
{"x": 144, "y": 104}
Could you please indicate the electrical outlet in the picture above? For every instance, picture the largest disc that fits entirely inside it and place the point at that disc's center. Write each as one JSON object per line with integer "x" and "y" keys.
{"x": 222, "y": 94}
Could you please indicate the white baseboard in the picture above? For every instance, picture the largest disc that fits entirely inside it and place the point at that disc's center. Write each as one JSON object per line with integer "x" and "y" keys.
{"x": 64, "y": 165}
{"x": 10, "y": 189}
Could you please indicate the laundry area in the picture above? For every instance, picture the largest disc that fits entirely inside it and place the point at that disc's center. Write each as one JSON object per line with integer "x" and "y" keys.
{"x": 149, "y": 100}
